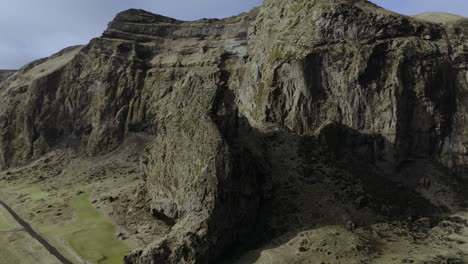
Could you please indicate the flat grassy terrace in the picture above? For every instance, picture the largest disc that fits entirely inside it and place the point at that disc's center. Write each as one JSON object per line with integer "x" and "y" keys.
{"x": 90, "y": 235}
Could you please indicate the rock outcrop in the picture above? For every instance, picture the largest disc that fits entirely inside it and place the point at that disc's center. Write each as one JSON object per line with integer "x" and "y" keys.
{"x": 4, "y": 74}
{"x": 371, "y": 86}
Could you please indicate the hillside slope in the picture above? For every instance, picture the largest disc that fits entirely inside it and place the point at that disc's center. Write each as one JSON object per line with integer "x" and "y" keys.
{"x": 301, "y": 131}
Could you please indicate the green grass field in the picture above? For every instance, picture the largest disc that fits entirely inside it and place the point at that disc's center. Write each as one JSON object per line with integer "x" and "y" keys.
{"x": 4, "y": 222}
{"x": 90, "y": 235}
{"x": 34, "y": 193}
{"x": 19, "y": 247}
{"x": 95, "y": 238}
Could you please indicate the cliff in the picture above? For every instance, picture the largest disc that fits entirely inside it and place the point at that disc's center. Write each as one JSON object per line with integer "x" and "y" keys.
{"x": 291, "y": 90}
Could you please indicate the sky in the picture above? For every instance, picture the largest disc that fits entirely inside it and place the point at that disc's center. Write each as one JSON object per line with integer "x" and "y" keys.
{"x": 33, "y": 29}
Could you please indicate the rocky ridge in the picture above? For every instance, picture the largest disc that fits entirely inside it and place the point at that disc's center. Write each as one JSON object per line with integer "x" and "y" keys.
{"x": 4, "y": 74}
{"x": 325, "y": 95}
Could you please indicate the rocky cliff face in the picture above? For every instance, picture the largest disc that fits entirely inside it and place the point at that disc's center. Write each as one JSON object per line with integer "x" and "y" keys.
{"x": 232, "y": 102}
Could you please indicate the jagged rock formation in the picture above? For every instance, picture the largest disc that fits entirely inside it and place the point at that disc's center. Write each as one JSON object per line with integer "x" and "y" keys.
{"x": 230, "y": 100}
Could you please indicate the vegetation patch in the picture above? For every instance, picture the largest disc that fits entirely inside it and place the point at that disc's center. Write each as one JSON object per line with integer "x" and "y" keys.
{"x": 280, "y": 53}
{"x": 93, "y": 236}
{"x": 34, "y": 193}
{"x": 298, "y": 5}
{"x": 5, "y": 222}
{"x": 21, "y": 248}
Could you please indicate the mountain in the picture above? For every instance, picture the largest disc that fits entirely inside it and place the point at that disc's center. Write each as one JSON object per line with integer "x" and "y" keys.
{"x": 438, "y": 17}
{"x": 302, "y": 131}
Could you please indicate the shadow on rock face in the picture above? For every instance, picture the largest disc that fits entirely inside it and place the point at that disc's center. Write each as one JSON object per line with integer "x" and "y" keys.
{"x": 338, "y": 181}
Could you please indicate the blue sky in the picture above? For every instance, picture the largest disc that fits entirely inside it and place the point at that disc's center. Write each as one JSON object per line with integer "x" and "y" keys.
{"x": 32, "y": 29}
{"x": 413, "y": 7}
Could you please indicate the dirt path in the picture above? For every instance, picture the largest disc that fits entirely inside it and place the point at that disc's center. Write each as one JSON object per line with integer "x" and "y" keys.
{"x": 27, "y": 227}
